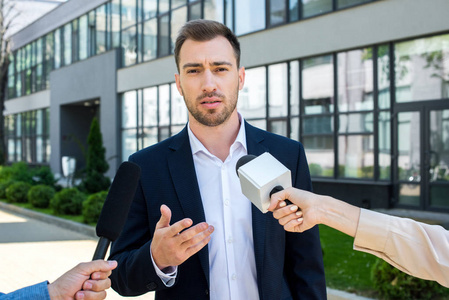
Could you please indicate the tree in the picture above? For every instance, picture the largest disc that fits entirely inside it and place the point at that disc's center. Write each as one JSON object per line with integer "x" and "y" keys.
{"x": 7, "y": 15}
{"x": 95, "y": 181}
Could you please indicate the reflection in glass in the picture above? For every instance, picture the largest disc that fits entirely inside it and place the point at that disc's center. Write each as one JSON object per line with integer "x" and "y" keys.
{"x": 355, "y": 80}
{"x": 150, "y": 39}
{"x": 150, "y": 107}
{"x": 279, "y": 127}
{"x": 356, "y": 156}
{"x": 252, "y": 98}
{"x": 294, "y": 128}
{"x": 383, "y": 76}
{"x": 195, "y": 11}
{"x": 293, "y": 10}
{"x": 384, "y": 145}
{"x": 178, "y": 18}
{"x": 318, "y": 85}
{"x": 177, "y": 3}
{"x": 149, "y": 137}
{"x": 409, "y": 147}
{"x": 178, "y": 108}
{"x": 315, "y": 7}
{"x": 129, "y": 45}
{"x": 294, "y": 88}
{"x": 262, "y": 124}
{"x": 83, "y": 37}
{"x": 164, "y": 36}
{"x": 439, "y": 145}
{"x": 409, "y": 194}
{"x": 438, "y": 196}
{"x": 67, "y": 44}
{"x": 318, "y": 124}
{"x": 164, "y": 104}
{"x": 278, "y": 89}
{"x": 149, "y": 9}
{"x": 128, "y": 13}
{"x": 129, "y": 109}
{"x": 320, "y": 155}
{"x": 356, "y": 123}
{"x": 421, "y": 69}
{"x": 115, "y": 23}
{"x": 229, "y": 14}
{"x": 101, "y": 29}
{"x": 163, "y": 6}
{"x": 213, "y": 10}
{"x": 249, "y": 16}
{"x": 278, "y": 13}
{"x": 347, "y": 3}
{"x": 129, "y": 143}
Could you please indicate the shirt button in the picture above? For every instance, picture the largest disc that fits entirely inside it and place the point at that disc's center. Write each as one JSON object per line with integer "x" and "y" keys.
{"x": 226, "y": 202}
{"x": 230, "y": 241}
{"x": 234, "y": 276}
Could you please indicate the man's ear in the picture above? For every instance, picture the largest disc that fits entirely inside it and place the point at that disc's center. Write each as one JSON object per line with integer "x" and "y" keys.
{"x": 178, "y": 84}
{"x": 241, "y": 77}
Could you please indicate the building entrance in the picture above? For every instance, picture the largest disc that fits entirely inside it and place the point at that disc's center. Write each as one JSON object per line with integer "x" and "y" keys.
{"x": 421, "y": 158}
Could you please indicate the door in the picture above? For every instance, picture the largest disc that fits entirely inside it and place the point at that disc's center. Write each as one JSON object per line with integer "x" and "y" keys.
{"x": 421, "y": 169}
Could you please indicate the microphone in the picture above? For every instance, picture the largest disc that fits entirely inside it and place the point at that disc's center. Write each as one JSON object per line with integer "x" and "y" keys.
{"x": 116, "y": 207}
{"x": 262, "y": 176}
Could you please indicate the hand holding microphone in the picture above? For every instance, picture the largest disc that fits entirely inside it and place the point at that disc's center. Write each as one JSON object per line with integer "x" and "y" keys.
{"x": 262, "y": 176}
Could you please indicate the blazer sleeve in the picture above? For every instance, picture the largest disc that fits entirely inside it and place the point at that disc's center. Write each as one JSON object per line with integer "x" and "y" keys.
{"x": 38, "y": 291}
{"x": 415, "y": 248}
{"x": 135, "y": 273}
{"x": 303, "y": 254}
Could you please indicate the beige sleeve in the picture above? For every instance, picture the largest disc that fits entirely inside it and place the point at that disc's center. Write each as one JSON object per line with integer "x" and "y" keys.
{"x": 418, "y": 249}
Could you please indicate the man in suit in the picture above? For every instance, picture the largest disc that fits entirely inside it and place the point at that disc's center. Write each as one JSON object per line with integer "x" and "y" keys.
{"x": 189, "y": 196}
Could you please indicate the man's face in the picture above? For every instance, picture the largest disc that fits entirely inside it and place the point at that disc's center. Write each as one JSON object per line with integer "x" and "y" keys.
{"x": 209, "y": 80}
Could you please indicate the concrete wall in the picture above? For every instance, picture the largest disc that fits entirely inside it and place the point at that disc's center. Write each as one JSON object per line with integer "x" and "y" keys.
{"x": 93, "y": 78}
{"x": 34, "y": 101}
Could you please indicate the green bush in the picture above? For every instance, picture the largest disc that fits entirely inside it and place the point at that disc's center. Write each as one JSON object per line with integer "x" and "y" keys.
{"x": 391, "y": 283}
{"x": 68, "y": 202}
{"x": 4, "y": 184}
{"x": 92, "y": 207}
{"x": 44, "y": 175}
{"x": 5, "y": 173}
{"x": 21, "y": 172}
{"x": 40, "y": 195}
{"x": 17, "y": 192}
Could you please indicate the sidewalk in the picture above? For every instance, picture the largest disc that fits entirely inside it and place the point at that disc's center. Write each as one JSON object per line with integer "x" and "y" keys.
{"x": 40, "y": 247}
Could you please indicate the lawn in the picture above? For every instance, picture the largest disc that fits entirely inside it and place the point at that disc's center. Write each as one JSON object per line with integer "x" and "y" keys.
{"x": 345, "y": 268}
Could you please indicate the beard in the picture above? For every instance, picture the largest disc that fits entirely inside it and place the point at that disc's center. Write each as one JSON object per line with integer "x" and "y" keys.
{"x": 212, "y": 117}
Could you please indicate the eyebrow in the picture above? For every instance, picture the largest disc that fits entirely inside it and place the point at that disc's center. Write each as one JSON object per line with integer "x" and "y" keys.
{"x": 196, "y": 65}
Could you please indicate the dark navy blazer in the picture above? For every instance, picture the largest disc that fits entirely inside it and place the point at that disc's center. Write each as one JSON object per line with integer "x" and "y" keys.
{"x": 289, "y": 265}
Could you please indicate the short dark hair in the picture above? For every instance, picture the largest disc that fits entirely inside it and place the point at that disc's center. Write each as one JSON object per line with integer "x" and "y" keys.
{"x": 205, "y": 30}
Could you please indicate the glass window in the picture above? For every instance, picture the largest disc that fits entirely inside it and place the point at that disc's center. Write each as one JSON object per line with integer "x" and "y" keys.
{"x": 115, "y": 23}
{"x": 178, "y": 18}
{"x": 177, "y": 3}
{"x": 129, "y": 45}
{"x": 294, "y": 88}
{"x": 356, "y": 156}
{"x": 129, "y": 143}
{"x": 75, "y": 40}
{"x": 67, "y": 44}
{"x": 318, "y": 85}
{"x": 347, "y": 3}
{"x": 179, "y": 113}
{"x": 384, "y": 145}
{"x": 129, "y": 110}
{"x": 278, "y": 12}
{"x": 164, "y": 104}
{"x": 320, "y": 155}
{"x": 318, "y": 124}
{"x": 149, "y": 9}
{"x": 409, "y": 147}
{"x": 355, "y": 80}
{"x": 195, "y": 11}
{"x": 57, "y": 48}
{"x": 101, "y": 29}
{"x": 150, "y": 39}
{"x": 279, "y": 127}
{"x": 164, "y": 36}
{"x": 164, "y": 6}
{"x": 128, "y": 13}
{"x": 293, "y": 10}
{"x": 383, "y": 76}
{"x": 421, "y": 69}
{"x": 229, "y": 14}
{"x": 249, "y": 16}
{"x": 149, "y": 137}
{"x": 252, "y": 98}
{"x": 214, "y": 10}
{"x": 278, "y": 89}
{"x": 83, "y": 37}
{"x": 315, "y": 7}
{"x": 352, "y": 123}
{"x": 150, "y": 107}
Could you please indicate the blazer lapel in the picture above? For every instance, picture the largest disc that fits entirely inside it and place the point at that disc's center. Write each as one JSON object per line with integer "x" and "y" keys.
{"x": 254, "y": 139}
{"x": 182, "y": 171}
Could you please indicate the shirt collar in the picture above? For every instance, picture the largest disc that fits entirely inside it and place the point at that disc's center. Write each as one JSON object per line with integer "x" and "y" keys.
{"x": 240, "y": 140}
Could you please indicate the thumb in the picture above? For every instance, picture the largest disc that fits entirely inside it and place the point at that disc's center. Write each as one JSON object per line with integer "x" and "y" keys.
{"x": 88, "y": 268}
{"x": 164, "y": 221}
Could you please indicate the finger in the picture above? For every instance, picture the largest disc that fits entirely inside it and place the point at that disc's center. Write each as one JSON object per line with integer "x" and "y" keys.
{"x": 276, "y": 198}
{"x": 89, "y": 295}
{"x": 164, "y": 221}
{"x": 198, "y": 246}
{"x": 175, "y": 229}
{"x": 197, "y": 238}
{"x": 87, "y": 268}
{"x": 97, "y": 285}
{"x": 192, "y": 231}
{"x": 100, "y": 275}
{"x": 284, "y": 220}
{"x": 284, "y": 211}
{"x": 294, "y": 225}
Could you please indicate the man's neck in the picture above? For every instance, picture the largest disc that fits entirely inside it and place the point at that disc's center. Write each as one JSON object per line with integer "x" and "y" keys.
{"x": 217, "y": 139}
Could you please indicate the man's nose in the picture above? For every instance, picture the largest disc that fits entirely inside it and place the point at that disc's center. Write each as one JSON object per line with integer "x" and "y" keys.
{"x": 209, "y": 84}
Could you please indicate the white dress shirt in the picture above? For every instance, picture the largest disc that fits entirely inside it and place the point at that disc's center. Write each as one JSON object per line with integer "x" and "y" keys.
{"x": 232, "y": 263}
{"x": 231, "y": 250}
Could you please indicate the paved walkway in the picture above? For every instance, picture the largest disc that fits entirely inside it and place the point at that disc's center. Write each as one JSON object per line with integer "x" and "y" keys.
{"x": 35, "y": 247}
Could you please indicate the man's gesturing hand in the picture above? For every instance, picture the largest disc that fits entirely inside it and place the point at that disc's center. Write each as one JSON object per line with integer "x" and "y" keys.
{"x": 170, "y": 246}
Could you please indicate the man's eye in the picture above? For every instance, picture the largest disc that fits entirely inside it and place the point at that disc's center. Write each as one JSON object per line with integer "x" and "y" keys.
{"x": 221, "y": 69}
{"x": 192, "y": 71}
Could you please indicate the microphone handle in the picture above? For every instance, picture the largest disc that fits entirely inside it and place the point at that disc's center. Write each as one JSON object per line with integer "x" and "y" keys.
{"x": 102, "y": 248}
{"x": 279, "y": 188}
